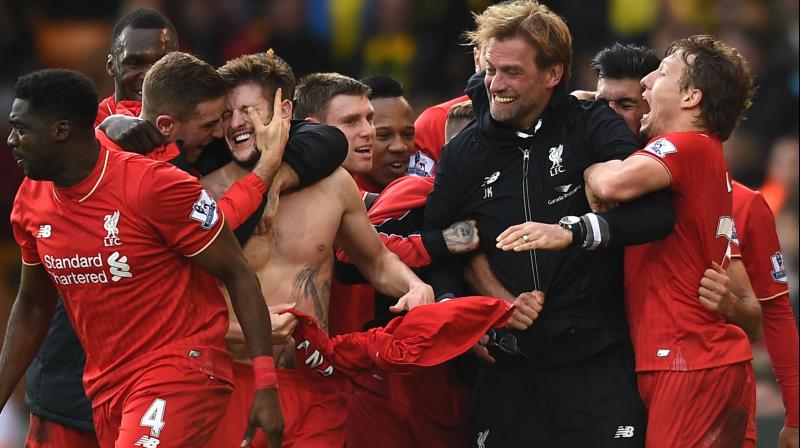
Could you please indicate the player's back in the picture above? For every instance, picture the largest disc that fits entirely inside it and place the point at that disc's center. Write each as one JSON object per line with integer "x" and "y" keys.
{"x": 670, "y": 328}
{"x": 116, "y": 247}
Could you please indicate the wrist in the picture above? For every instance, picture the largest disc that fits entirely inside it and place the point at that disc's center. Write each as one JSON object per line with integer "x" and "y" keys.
{"x": 574, "y": 228}
{"x": 264, "y": 374}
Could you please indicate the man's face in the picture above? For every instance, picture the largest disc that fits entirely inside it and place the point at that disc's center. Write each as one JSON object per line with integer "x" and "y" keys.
{"x": 663, "y": 96}
{"x": 236, "y": 124}
{"x": 394, "y": 139}
{"x": 625, "y": 97}
{"x": 200, "y": 128}
{"x": 136, "y": 51}
{"x": 31, "y": 142}
{"x": 352, "y": 114}
{"x": 517, "y": 89}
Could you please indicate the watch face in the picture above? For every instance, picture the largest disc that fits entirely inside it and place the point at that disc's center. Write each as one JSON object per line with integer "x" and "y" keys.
{"x": 569, "y": 220}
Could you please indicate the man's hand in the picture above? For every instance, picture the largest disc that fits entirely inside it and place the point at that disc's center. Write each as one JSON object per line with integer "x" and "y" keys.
{"x": 595, "y": 203}
{"x": 534, "y": 235}
{"x": 265, "y": 413}
{"x": 272, "y": 133}
{"x": 419, "y": 294}
{"x": 527, "y": 307}
{"x": 788, "y": 438}
{"x": 132, "y": 134}
{"x": 283, "y": 323}
{"x": 461, "y": 237}
{"x": 714, "y": 292}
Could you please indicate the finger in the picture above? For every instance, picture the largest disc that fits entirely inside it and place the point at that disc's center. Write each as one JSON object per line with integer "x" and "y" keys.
{"x": 711, "y": 306}
{"x": 509, "y": 230}
{"x": 709, "y": 295}
{"x": 482, "y": 353}
{"x": 538, "y": 296}
{"x": 277, "y": 104}
{"x": 521, "y": 319}
{"x": 717, "y": 267}
{"x": 281, "y": 307}
{"x": 400, "y": 306}
{"x": 512, "y": 236}
{"x": 273, "y": 440}
{"x": 255, "y": 118}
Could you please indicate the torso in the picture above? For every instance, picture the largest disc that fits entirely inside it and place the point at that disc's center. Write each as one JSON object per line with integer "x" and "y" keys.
{"x": 293, "y": 260}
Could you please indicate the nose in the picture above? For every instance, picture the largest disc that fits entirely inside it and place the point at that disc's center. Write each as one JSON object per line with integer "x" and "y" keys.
{"x": 397, "y": 145}
{"x": 367, "y": 130}
{"x": 495, "y": 82}
{"x": 238, "y": 119}
{"x": 13, "y": 139}
{"x": 647, "y": 81}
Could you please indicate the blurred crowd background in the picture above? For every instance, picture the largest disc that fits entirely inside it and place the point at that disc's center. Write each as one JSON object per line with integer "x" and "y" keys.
{"x": 419, "y": 43}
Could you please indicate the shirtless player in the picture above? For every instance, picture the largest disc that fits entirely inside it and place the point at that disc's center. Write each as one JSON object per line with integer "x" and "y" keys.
{"x": 294, "y": 260}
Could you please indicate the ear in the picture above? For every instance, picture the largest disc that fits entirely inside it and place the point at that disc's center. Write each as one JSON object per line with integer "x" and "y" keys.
{"x": 554, "y": 74}
{"x": 62, "y": 130}
{"x": 691, "y": 98}
{"x": 110, "y": 65}
{"x": 166, "y": 125}
{"x": 286, "y": 109}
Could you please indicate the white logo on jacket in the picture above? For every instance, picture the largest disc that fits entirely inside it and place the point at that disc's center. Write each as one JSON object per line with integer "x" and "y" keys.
{"x": 555, "y": 157}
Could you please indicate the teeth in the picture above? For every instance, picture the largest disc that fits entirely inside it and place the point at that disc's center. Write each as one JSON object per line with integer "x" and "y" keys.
{"x": 242, "y": 137}
{"x": 363, "y": 149}
{"x": 504, "y": 99}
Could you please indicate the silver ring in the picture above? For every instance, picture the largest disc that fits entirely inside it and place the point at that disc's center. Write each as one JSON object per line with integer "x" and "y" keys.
{"x": 525, "y": 238}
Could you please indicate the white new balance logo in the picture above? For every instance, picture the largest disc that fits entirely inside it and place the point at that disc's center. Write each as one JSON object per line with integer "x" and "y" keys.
{"x": 44, "y": 231}
{"x": 119, "y": 267}
{"x": 147, "y": 442}
{"x": 624, "y": 432}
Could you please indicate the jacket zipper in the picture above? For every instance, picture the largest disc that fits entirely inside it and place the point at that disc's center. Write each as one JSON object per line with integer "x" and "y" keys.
{"x": 526, "y": 205}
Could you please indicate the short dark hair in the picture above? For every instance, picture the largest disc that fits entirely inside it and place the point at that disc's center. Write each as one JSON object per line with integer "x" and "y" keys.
{"x": 61, "y": 94}
{"x": 264, "y": 69}
{"x": 177, "y": 83}
{"x": 721, "y": 73}
{"x": 625, "y": 62}
{"x": 383, "y": 86}
{"x": 141, "y": 19}
{"x": 315, "y": 91}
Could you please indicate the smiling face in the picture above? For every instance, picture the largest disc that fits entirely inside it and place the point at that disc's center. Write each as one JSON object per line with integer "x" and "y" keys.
{"x": 394, "y": 140}
{"x": 353, "y": 115}
{"x": 31, "y": 142}
{"x": 136, "y": 50}
{"x": 236, "y": 124}
{"x": 625, "y": 97}
{"x": 518, "y": 90}
{"x": 663, "y": 96}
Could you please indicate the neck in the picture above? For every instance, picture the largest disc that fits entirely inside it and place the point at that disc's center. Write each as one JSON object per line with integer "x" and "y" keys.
{"x": 79, "y": 159}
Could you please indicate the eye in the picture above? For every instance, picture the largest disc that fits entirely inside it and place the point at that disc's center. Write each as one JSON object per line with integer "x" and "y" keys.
{"x": 383, "y": 136}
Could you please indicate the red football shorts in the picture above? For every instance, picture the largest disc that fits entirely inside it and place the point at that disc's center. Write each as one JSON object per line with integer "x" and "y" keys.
{"x": 376, "y": 421}
{"x": 314, "y": 411}
{"x": 701, "y": 408}
{"x": 44, "y": 433}
{"x": 169, "y": 406}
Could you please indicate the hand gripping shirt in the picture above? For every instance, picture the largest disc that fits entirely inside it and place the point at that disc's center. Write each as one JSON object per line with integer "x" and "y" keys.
{"x": 118, "y": 247}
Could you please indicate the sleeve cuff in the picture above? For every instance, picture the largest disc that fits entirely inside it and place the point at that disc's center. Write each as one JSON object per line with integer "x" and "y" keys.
{"x": 435, "y": 245}
{"x": 254, "y": 182}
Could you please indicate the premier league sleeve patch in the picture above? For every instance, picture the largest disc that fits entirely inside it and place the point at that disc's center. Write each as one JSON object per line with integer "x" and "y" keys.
{"x": 205, "y": 211}
{"x": 661, "y": 147}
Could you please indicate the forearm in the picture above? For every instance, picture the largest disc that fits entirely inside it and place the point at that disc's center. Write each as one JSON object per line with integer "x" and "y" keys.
{"x": 388, "y": 275}
{"x": 746, "y": 315}
{"x": 251, "y": 311}
{"x": 482, "y": 280}
{"x": 642, "y": 220}
{"x": 27, "y": 328}
{"x": 242, "y": 200}
{"x": 780, "y": 335}
{"x": 285, "y": 178}
{"x": 601, "y": 178}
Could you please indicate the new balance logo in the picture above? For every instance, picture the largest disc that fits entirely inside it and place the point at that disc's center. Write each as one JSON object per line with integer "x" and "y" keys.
{"x": 624, "y": 432}
{"x": 119, "y": 267}
{"x": 44, "y": 231}
{"x": 147, "y": 442}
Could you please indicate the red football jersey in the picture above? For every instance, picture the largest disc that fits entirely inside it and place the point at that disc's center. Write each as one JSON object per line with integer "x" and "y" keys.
{"x": 429, "y": 136}
{"x": 670, "y": 328}
{"x": 758, "y": 243}
{"x": 118, "y": 248}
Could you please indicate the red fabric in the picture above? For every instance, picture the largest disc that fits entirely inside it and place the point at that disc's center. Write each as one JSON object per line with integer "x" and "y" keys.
{"x": 163, "y": 153}
{"x": 264, "y": 372}
{"x": 242, "y": 199}
{"x": 400, "y": 196}
{"x": 670, "y": 328}
{"x": 704, "y": 408}
{"x": 375, "y": 421}
{"x": 43, "y": 433}
{"x": 429, "y": 128}
{"x": 366, "y": 186}
{"x": 105, "y": 109}
{"x": 350, "y": 307}
{"x": 193, "y": 404}
{"x": 758, "y": 243}
{"x": 313, "y": 411}
{"x": 780, "y": 334}
{"x": 427, "y": 336}
{"x": 131, "y": 291}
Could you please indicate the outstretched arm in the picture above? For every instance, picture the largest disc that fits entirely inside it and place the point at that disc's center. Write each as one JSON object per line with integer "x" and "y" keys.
{"x": 27, "y": 326}
{"x": 382, "y": 268}
{"x": 623, "y": 180}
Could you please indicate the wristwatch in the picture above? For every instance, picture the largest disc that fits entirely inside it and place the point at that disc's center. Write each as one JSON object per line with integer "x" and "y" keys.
{"x": 575, "y": 225}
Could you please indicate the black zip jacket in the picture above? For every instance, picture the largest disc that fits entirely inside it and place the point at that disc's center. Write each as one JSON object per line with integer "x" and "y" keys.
{"x": 501, "y": 177}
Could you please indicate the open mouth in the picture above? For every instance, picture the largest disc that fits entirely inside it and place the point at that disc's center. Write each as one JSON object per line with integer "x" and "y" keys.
{"x": 363, "y": 150}
{"x": 241, "y": 138}
{"x": 503, "y": 99}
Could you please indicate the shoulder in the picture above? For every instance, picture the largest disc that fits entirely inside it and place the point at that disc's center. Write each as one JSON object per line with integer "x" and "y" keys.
{"x": 743, "y": 195}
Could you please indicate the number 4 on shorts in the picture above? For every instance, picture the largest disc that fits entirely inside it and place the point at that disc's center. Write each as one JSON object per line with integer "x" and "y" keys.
{"x": 154, "y": 417}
